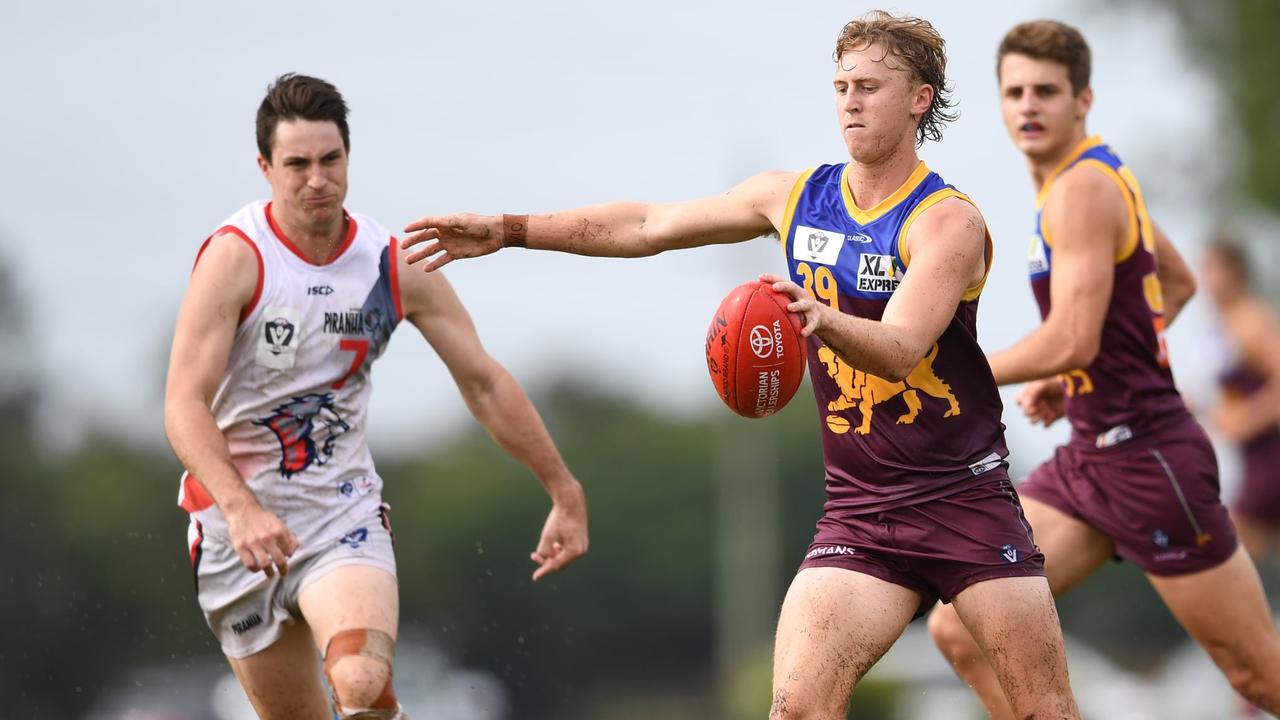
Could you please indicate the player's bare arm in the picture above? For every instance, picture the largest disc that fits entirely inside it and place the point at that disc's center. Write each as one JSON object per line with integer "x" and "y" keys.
{"x": 222, "y": 284}
{"x": 502, "y": 408}
{"x": 621, "y": 229}
{"x": 1256, "y": 332}
{"x": 1084, "y": 249}
{"x": 947, "y": 246}
{"x": 1177, "y": 282}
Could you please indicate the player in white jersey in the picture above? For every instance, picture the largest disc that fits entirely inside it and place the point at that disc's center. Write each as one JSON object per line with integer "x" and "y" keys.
{"x": 289, "y": 304}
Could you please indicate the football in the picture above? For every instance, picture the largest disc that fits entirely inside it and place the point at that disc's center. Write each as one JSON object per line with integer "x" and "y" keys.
{"x": 755, "y": 353}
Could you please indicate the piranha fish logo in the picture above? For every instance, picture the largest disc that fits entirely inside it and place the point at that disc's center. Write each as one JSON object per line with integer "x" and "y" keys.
{"x": 307, "y": 428}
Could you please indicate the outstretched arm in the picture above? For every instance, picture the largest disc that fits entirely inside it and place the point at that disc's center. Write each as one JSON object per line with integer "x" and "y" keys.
{"x": 222, "y": 284}
{"x": 1084, "y": 247}
{"x": 622, "y": 229}
{"x": 501, "y": 406}
{"x": 947, "y": 247}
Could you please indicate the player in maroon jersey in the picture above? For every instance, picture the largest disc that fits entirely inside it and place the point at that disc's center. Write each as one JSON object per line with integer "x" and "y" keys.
{"x": 1138, "y": 479}
{"x": 1249, "y": 414}
{"x": 919, "y": 504}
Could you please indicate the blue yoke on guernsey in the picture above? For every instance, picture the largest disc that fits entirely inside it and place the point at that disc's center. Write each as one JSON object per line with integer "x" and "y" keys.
{"x": 1128, "y": 389}
{"x": 889, "y": 444}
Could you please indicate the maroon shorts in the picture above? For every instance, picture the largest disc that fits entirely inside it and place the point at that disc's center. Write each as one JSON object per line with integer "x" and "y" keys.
{"x": 1260, "y": 494}
{"x": 1155, "y": 497}
{"x": 938, "y": 547}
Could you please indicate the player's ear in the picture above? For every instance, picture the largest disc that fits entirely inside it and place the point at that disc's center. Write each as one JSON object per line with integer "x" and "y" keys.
{"x": 1084, "y": 101}
{"x": 923, "y": 99}
{"x": 264, "y": 165}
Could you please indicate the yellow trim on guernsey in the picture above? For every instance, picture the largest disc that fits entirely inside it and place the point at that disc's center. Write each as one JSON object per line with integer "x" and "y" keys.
{"x": 1134, "y": 234}
{"x": 1131, "y": 238}
{"x": 934, "y": 198}
{"x": 789, "y": 213}
{"x": 1085, "y": 145}
{"x": 862, "y": 217}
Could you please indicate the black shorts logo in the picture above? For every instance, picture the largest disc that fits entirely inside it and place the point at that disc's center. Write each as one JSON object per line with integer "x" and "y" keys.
{"x": 246, "y": 624}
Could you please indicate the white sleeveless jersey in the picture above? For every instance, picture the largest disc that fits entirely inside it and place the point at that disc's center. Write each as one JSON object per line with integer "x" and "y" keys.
{"x": 294, "y": 400}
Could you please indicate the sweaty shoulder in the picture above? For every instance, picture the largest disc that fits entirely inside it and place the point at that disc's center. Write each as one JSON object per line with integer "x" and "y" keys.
{"x": 1087, "y": 186}
{"x": 954, "y": 221}
{"x": 952, "y": 215}
{"x": 417, "y": 289}
{"x": 230, "y": 265}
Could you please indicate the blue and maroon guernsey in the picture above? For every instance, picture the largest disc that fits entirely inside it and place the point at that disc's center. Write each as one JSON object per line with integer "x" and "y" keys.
{"x": 1128, "y": 389}
{"x": 889, "y": 444}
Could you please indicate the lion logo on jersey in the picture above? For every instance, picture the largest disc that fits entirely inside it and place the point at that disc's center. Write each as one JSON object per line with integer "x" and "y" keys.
{"x": 307, "y": 428}
{"x": 866, "y": 391}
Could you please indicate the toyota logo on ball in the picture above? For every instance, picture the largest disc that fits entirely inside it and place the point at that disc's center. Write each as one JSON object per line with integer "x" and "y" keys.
{"x": 761, "y": 342}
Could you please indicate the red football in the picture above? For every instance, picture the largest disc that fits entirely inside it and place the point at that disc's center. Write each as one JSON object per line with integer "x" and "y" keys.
{"x": 755, "y": 354}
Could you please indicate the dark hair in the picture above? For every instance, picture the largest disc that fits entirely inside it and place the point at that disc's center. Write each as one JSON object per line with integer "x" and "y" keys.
{"x": 1050, "y": 40}
{"x": 294, "y": 96}
{"x": 917, "y": 43}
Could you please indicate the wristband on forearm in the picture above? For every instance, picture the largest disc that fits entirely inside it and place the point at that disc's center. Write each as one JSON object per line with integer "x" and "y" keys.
{"x": 515, "y": 230}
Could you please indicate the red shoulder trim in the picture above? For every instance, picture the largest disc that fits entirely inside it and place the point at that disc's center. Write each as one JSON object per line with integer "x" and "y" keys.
{"x": 257, "y": 291}
{"x": 337, "y": 253}
{"x": 194, "y": 497}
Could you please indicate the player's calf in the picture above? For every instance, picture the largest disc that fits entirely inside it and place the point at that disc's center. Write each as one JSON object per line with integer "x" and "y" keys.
{"x": 1252, "y": 676}
{"x": 358, "y": 665}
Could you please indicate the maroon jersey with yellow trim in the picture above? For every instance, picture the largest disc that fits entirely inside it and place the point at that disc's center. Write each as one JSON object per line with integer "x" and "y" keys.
{"x": 889, "y": 444}
{"x": 1128, "y": 389}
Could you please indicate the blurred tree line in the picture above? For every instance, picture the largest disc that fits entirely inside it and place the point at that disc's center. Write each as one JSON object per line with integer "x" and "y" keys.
{"x": 1236, "y": 40}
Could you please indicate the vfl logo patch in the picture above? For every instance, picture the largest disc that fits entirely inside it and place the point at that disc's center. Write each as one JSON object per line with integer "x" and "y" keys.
{"x": 279, "y": 333}
{"x": 307, "y": 428}
{"x": 278, "y": 341}
{"x": 816, "y": 245}
{"x": 1009, "y": 553}
{"x": 876, "y": 273}
{"x": 1160, "y": 538}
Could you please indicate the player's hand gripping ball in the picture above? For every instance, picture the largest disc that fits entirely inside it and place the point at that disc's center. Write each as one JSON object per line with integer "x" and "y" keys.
{"x": 755, "y": 354}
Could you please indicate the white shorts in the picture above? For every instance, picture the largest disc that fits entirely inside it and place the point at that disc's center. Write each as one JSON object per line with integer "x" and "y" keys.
{"x": 248, "y": 611}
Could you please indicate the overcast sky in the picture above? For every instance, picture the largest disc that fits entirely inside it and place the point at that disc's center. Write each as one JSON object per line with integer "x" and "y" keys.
{"x": 130, "y": 137}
